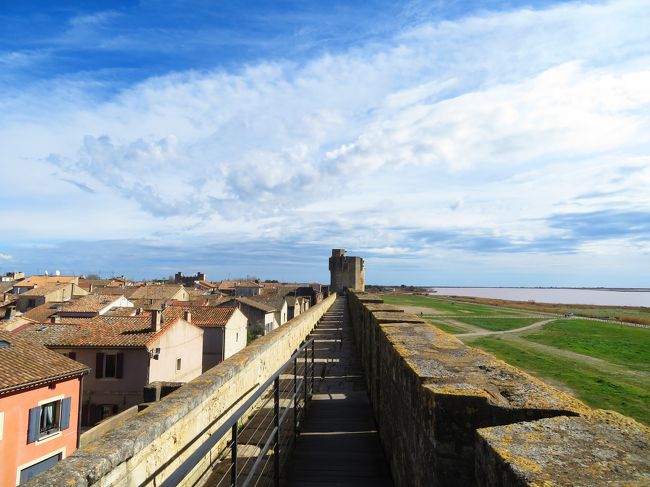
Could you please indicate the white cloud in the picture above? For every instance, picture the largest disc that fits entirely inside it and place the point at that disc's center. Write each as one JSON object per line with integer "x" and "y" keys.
{"x": 6, "y": 257}
{"x": 490, "y": 123}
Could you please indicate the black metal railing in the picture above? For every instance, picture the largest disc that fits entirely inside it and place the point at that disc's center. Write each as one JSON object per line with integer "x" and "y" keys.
{"x": 257, "y": 425}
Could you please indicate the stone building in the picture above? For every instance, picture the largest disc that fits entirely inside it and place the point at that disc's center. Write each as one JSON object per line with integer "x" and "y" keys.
{"x": 188, "y": 281}
{"x": 346, "y": 272}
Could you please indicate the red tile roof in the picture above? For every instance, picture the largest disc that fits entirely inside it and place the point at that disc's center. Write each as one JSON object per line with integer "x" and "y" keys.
{"x": 202, "y": 316}
{"x": 42, "y": 313}
{"x": 24, "y": 364}
{"x": 101, "y": 331}
{"x": 42, "y": 280}
{"x": 45, "y": 289}
{"x": 166, "y": 291}
{"x": 92, "y": 303}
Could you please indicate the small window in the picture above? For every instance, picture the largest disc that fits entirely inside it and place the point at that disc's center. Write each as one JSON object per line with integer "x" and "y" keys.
{"x": 109, "y": 365}
{"x": 108, "y": 410}
{"x": 237, "y": 337}
{"x": 178, "y": 364}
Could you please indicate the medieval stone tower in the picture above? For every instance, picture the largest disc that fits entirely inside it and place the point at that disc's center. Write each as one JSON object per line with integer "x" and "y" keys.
{"x": 346, "y": 272}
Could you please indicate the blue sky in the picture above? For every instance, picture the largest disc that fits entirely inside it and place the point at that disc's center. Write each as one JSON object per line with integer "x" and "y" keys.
{"x": 449, "y": 143}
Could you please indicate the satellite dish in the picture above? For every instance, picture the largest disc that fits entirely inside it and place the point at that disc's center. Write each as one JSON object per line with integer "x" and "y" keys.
{"x": 47, "y": 273}
{"x": 57, "y": 273}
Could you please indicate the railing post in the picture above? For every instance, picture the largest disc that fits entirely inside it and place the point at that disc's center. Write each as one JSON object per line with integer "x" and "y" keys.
{"x": 295, "y": 397}
{"x": 313, "y": 354}
{"x": 276, "y": 424}
{"x": 305, "y": 381}
{"x": 233, "y": 456}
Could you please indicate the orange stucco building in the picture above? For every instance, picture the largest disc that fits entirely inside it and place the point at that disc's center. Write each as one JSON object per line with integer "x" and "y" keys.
{"x": 39, "y": 408}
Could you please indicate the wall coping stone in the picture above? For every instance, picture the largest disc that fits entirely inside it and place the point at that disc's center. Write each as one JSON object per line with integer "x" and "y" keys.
{"x": 598, "y": 448}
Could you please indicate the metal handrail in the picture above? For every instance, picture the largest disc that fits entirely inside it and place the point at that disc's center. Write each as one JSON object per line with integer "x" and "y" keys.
{"x": 232, "y": 422}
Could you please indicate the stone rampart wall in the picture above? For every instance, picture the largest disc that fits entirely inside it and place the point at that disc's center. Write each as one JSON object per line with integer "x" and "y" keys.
{"x": 449, "y": 414}
{"x": 149, "y": 446}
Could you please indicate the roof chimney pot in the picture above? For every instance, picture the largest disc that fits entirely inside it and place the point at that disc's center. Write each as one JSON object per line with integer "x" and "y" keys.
{"x": 156, "y": 320}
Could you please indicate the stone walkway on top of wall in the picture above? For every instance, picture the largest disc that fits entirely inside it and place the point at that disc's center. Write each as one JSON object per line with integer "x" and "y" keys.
{"x": 338, "y": 444}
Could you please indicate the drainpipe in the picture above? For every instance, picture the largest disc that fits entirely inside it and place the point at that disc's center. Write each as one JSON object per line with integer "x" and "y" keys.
{"x": 223, "y": 345}
{"x": 81, "y": 396}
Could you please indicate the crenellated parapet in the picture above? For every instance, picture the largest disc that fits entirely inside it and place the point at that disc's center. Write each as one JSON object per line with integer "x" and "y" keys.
{"x": 449, "y": 414}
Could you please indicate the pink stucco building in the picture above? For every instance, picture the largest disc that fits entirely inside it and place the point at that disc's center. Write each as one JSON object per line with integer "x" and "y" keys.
{"x": 39, "y": 408}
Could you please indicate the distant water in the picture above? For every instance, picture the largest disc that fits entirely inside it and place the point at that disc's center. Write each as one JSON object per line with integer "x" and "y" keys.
{"x": 555, "y": 295}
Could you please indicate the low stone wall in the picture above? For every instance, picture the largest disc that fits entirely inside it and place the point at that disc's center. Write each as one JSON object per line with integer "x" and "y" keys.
{"x": 149, "y": 446}
{"x": 449, "y": 414}
{"x": 107, "y": 425}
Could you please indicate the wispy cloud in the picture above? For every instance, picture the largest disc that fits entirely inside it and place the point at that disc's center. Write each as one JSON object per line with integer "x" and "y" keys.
{"x": 517, "y": 131}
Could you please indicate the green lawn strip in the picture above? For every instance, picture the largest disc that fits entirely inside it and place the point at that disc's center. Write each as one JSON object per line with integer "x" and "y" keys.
{"x": 447, "y": 305}
{"x": 499, "y": 324}
{"x": 625, "y": 345}
{"x": 599, "y": 389}
{"x": 447, "y": 327}
{"x": 609, "y": 312}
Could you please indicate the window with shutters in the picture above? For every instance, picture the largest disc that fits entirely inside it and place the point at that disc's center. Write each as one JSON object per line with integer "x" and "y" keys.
{"x": 48, "y": 419}
{"x": 109, "y": 365}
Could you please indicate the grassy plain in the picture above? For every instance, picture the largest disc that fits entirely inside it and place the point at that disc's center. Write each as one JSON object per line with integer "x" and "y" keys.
{"x": 628, "y": 394}
{"x": 607, "y": 365}
{"x": 618, "y": 344}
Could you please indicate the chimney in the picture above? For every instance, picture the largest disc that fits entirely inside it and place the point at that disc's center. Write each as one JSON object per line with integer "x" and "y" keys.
{"x": 55, "y": 319}
{"x": 187, "y": 316}
{"x": 10, "y": 312}
{"x": 156, "y": 319}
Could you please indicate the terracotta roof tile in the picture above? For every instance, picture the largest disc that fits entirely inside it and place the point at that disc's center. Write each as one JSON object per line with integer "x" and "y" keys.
{"x": 166, "y": 291}
{"x": 42, "y": 313}
{"x": 202, "y": 316}
{"x": 42, "y": 280}
{"x": 92, "y": 303}
{"x": 101, "y": 331}
{"x": 45, "y": 289}
{"x": 23, "y": 363}
{"x": 255, "y": 302}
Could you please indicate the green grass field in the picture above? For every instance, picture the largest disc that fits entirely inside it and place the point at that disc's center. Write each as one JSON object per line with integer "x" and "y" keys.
{"x": 621, "y": 383}
{"x": 618, "y": 344}
{"x": 626, "y": 394}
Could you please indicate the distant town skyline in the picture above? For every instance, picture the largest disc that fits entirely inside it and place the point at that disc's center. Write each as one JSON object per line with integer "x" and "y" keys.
{"x": 488, "y": 143}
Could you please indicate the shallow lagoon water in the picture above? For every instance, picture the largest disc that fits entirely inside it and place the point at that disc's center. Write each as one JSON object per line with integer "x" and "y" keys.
{"x": 553, "y": 295}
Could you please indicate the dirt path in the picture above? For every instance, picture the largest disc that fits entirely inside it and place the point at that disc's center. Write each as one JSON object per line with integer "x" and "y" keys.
{"x": 537, "y": 324}
{"x": 471, "y": 329}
